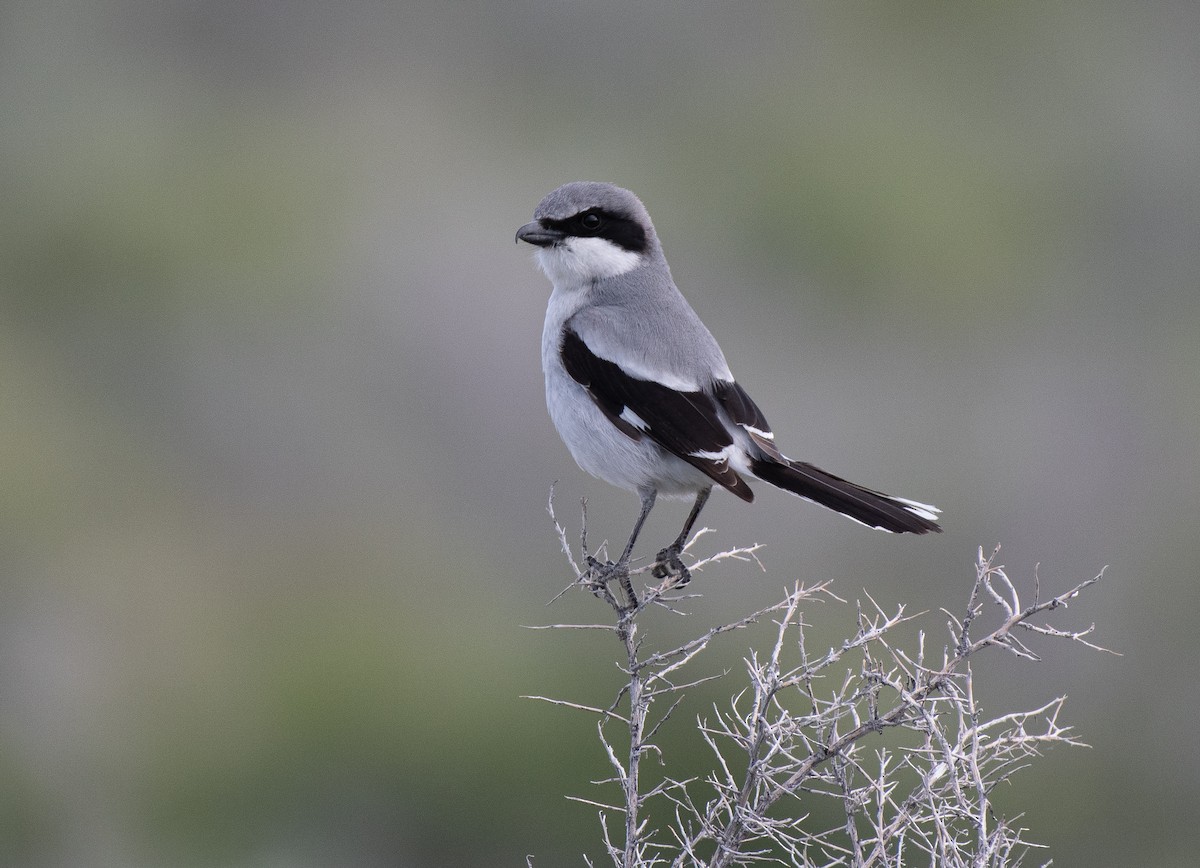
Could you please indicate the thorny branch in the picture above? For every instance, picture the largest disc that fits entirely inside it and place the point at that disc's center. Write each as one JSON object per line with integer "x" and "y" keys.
{"x": 796, "y": 739}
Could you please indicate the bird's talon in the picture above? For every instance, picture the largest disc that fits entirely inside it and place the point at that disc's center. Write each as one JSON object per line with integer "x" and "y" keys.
{"x": 600, "y": 573}
{"x": 674, "y": 575}
{"x": 667, "y": 562}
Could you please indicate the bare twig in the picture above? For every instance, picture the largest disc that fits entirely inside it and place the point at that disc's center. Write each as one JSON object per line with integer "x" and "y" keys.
{"x": 798, "y": 731}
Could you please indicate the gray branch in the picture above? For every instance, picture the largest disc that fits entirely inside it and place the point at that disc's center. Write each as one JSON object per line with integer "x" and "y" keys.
{"x": 799, "y": 732}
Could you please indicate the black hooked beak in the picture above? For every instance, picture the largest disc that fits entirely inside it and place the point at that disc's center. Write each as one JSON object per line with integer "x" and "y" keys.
{"x": 537, "y": 234}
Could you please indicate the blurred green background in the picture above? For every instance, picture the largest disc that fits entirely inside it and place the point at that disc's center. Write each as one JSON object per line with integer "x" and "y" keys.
{"x": 273, "y": 450}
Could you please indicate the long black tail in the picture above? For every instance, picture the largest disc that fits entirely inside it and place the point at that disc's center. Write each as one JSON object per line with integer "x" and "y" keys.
{"x": 894, "y": 514}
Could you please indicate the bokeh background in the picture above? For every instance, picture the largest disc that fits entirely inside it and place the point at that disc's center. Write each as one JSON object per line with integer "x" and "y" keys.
{"x": 273, "y": 454}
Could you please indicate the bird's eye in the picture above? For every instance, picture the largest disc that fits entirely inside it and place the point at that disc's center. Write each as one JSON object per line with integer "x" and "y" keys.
{"x": 591, "y": 221}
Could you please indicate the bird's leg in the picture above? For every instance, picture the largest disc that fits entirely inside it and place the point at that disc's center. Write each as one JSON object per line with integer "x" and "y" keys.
{"x": 668, "y": 561}
{"x": 605, "y": 573}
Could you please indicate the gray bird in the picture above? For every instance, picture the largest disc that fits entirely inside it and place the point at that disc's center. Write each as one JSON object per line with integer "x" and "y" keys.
{"x": 640, "y": 391}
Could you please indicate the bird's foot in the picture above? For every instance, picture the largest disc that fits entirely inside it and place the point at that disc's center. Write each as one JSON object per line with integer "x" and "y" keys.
{"x": 600, "y": 573}
{"x": 668, "y": 564}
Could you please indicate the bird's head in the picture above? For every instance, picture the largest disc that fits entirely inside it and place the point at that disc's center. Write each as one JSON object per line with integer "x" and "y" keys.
{"x": 587, "y": 231}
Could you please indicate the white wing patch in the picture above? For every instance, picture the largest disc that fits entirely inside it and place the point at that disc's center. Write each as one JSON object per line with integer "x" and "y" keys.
{"x": 634, "y": 419}
{"x": 664, "y": 378}
{"x": 717, "y": 457}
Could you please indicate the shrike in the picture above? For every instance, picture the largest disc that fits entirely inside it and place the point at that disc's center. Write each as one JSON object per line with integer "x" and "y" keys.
{"x": 638, "y": 388}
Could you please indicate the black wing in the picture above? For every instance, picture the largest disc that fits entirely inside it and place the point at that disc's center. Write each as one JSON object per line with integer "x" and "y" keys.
{"x": 743, "y": 411}
{"x": 686, "y": 424}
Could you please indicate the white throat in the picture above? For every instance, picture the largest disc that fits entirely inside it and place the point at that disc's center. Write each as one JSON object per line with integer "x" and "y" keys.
{"x": 581, "y": 260}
